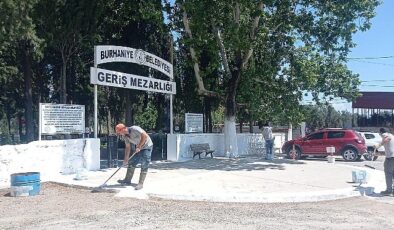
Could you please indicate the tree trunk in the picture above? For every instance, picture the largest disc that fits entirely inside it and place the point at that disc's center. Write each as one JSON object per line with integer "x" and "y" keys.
{"x": 230, "y": 132}
{"x": 63, "y": 94}
{"x": 109, "y": 122}
{"x": 129, "y": 109}
{"x": 210, "y": 122}
{"x": 250, "y": 126}
{"x": 207, "y": 114}
{"x": 20, "y": 131}
{"x": 241, "y": 61}
{"x": 27, "y": 73}
{"x": 8, "y": 115}
{"x": 230, "y": 137}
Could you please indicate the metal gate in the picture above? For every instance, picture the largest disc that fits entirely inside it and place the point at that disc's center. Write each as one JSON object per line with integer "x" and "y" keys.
{"x": 112, "y": 149}
{"x": 159, "y": 151}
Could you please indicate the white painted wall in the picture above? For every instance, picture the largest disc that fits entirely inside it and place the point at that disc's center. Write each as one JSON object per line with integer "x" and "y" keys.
{"x": 49, "y": 158}
{"x": 178, "y": 145}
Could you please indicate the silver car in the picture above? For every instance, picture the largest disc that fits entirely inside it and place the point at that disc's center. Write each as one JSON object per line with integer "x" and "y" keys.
{"x": 370, "y": 140}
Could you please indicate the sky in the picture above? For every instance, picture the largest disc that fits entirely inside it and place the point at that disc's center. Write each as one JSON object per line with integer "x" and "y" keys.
{"x": 376, "y": 73}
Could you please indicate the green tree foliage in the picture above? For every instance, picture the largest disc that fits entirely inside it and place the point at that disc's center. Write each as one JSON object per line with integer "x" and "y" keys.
{"x": 67, "y": 26}
{"x": 137, "y": 24}
{"x": 255, "y": 59}
{"x": 18, "y": 35}
{"x": 68, "y": 30}
{"x": 325, "y": 116}
{"x": 147, "y": 118}
{"x": 272, "y": 51}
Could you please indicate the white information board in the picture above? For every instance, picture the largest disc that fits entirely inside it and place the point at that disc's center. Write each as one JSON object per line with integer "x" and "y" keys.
{"x": 194, "y": 123}
{"x": 61, "y": 119}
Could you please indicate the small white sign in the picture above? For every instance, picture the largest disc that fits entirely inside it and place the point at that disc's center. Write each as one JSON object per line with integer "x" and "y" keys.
{"x": 124, "y": 80}
{"x": 330, "y": 149}
{"x": 194, "y": 123}
{"x": 62, "y": 119}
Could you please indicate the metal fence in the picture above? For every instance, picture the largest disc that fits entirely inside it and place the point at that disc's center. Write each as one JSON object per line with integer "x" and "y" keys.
{"x": 112, "y": 149}
{"x": 159, "y": 151}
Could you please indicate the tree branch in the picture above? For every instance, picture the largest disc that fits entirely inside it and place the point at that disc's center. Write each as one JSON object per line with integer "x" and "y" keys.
{"x": 222, "y": 50}
{"x": 237, "y": 14}
{"x": 255, "y": 24}
{"x": 200, "y": 83}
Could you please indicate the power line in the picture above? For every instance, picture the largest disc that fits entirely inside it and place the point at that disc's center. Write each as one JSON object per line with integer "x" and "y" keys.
{"x": 377, "y": 80}
{"x": 385, "y": 86}
{"x": 370, "y": 62}
{"x": 357, "y": 58}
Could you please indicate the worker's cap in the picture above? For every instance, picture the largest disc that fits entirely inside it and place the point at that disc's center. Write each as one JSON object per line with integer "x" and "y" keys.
{"x": 119, "y": 127}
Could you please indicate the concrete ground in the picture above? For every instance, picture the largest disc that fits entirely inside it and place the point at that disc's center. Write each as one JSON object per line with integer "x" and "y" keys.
{"x": 247, "y": 187}
{"x": 249, "y": 179}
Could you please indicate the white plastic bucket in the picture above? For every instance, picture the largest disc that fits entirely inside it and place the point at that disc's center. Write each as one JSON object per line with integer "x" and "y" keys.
{"x": 331, "y": 159}
{"x": 81, "y": 174}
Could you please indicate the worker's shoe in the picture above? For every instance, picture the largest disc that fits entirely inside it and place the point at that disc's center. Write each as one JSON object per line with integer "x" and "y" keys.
{"x": 386, "y": 193}
{"x": 128, "y": 177}
{"x": 140, "y": 184}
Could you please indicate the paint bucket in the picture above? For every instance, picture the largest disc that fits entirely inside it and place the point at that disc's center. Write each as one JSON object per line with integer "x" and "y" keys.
{"x": 331, "y": 159}
{"x": 360, "y": 176}
{"x": 25, "y": 184}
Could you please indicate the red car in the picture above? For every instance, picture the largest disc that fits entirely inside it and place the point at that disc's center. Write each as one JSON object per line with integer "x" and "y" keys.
{"x": 348, "y": 143}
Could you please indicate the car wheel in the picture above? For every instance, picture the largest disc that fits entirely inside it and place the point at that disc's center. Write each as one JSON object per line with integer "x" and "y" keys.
{"x": 369, "y": 155}
{"x": 350, "y": 154}
{"x": 289, "y": 153}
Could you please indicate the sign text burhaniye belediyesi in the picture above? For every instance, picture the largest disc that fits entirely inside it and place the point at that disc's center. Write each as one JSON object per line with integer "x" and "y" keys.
{"x": 105, "y": 54}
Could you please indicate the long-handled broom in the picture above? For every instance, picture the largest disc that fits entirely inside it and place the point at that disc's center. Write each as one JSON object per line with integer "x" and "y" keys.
{"x": 372, "y": 158}
{"x": 101, "y": 188}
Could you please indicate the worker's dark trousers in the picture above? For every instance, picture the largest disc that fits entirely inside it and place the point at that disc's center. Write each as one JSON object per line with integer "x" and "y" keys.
{"x": 144, "y": 156}
{"x": 389, "y": 172}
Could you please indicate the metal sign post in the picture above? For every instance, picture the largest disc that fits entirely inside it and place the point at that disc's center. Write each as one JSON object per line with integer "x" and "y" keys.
{"x": 40, "y": 122}
{"x": 95, "y": 97}
{"x": 171, "y": 118}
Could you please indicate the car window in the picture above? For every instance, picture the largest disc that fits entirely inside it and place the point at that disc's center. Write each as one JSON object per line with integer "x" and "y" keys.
{"x": 336, "y": 134}
{"x": 359, "y": 135}
{"x": 315, "y": 136}
{"x": 369, "y": 136}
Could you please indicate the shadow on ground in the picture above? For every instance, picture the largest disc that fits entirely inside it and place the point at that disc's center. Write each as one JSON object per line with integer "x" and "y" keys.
{"x": 226, "y": 164}
{"x": 368, "y": 191}
{"x": 337, "y": 159}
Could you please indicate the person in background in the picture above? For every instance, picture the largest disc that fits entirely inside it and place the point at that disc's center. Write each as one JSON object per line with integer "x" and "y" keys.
{"x": 144, "y": 145}
{"x": 388, "y": 143}
{"x": 269, "y": 141}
